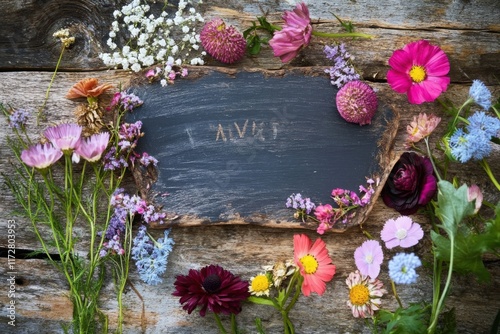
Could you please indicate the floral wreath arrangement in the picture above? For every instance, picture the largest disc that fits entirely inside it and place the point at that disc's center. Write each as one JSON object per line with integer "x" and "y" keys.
{"x": 71, "y": 178}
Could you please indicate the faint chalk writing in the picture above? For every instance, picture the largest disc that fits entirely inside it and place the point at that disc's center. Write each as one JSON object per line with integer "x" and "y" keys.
{"x": 258, "y": 130}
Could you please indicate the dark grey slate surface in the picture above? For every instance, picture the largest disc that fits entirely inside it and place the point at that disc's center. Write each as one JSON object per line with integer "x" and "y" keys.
{"x": 243, "y": 144}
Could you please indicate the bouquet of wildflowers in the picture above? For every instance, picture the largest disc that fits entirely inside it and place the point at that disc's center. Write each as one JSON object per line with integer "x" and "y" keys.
{"x": 71, "y": 178}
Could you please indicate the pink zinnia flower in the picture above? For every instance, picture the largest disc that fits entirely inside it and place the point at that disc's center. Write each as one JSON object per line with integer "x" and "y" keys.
{"x": 225, "y": 43}
{"x": 64, "y": 136}
{"x": 314, "y": 264}
{"x": 357, "y": 102}
{"x": 368, "y": 258}
{"x": 419, "y": 69}
{"x": 421, "y": 127}
{"x": 401, "y": 232}
{"x": 364, "y": 294}
{"x": 295, "y": 34}
{"x": 41, "y": 155}
{"x": 91, "y": 148}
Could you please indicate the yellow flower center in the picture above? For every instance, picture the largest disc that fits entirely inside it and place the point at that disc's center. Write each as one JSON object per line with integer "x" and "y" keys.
{"x": 417, "y": 73}
{"x": 221, "y": 27}
{"x": 260, "y": 283}
{"x": 359, "y": 295}
{"x": 310, "y": 264}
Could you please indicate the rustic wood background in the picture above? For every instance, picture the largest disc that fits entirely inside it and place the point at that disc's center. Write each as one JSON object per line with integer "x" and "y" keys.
{"x": 468, "y": 31}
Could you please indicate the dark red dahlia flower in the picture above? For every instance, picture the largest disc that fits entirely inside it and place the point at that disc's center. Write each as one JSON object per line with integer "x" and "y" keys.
{"x": 211, "y": 287}
{"x": 410, "y": 185}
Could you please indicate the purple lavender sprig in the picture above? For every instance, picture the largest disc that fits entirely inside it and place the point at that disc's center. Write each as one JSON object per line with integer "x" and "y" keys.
{"x": 342, "y": 70}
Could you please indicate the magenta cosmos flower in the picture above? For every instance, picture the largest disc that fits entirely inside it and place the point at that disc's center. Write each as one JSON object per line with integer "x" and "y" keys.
{"x": 410, "y": 185}
{"x": 41, "y": 156}
{"x": 295, "y": 34}
{"x": 314, "y": 264}
{"x": 225, "y": 43}
{"x": 401, "y": 231}
{"x": 419, "y": 70}
{"x": 368, "y": 258}
{"x": 211, "y": 287}
{"x": 91, "y": 148}
{"x": 357, "y": 102}
{"x": 65, "y": 136}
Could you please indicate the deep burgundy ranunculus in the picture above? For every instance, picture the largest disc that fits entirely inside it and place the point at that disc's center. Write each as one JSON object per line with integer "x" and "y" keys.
{"x": 411, "y": 184}
{"x": 211, "y": 287}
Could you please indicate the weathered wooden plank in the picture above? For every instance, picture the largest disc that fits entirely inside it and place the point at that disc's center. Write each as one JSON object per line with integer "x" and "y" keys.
{"x": 454, "y": 26}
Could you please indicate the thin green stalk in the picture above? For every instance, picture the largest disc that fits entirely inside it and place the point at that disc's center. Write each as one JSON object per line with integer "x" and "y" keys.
{"x": 219, "y": 324}
{"x": 431, "y": 158}
{"x": 340, "y": 35}
{"x": 488, "y": 171}
{"x": 393, "y": 285}
{"x": 40, "y": 111}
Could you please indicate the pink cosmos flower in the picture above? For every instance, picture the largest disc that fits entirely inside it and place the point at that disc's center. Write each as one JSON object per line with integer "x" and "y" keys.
{"x": 64, "y": 136}
{"x": 401, "y": 232}
{"x": 368, "y": 258}
{"x": 295, "y": 34}
{"x": 314, "y": 264}
{"x": 41, "y": 155}
{"x": 91, "y": 148}
{"x": 421, "y": 127}
{"x": 419, "y": 69}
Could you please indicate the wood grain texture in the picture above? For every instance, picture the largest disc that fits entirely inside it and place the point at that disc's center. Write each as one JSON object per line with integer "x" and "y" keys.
{"x": 466, "y": 30}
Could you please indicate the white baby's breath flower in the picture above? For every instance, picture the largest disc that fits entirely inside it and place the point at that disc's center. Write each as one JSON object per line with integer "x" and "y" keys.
{"x": 135, "y": 67}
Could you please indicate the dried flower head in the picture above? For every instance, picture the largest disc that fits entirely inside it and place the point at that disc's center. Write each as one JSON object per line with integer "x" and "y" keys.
{"x": 421, "y": 127}
{"x": 89, "y": 116}
{"x": 357, "y": 102}
{"x": 223, "y": 42}
{"x": 87, "y": 88}
{"x": 64, "y": 36}
{"x": 280, "y": 271}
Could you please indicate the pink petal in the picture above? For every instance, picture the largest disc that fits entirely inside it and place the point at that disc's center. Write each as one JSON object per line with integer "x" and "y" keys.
{"x": 392, "y": 243}
{"x": 409, "y": 241}
{"x": 417, "y": 94}
{"x": 401, "y": 61}
{"x": 400, "y": 82}
{"x": 438, "y": 65}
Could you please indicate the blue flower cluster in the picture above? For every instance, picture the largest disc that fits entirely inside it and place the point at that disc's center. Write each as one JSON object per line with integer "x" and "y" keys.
{"x": 402, "y": 268}
{"x": 18, "y": 119}
{"x": 475, "y": 142}
{"x": 480, "y": 94}
{"x": 151, "y": 257}
{"x": 342, "y": 70}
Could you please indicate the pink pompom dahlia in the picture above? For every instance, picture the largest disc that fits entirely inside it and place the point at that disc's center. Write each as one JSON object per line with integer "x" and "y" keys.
{"x": 419, "y": 70}
{"x": 357, "y": 102}
{"x": 225, "y": 43}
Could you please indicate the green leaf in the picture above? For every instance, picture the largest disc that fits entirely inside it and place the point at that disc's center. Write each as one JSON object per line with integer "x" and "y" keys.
{"x": 260, "y": 301}
{"x": 453, "y": 206}
{"x": 411, "y": 320}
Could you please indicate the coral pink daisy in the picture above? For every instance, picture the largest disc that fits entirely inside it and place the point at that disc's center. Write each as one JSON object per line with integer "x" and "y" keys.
{"x": 314, "y": 264}
{"x": 402, "y": 232}
{"x": 419, "y": 69}
{"x": 421, "y": 127}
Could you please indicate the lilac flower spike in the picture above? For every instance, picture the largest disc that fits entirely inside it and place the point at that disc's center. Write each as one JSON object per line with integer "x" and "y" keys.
{"x": 41, "y": 156}
{"x": 368, "y": 258}
{"x": 401, "y": 232}
{"x": 64, "y": 136}
{"x": 18, "y": 119}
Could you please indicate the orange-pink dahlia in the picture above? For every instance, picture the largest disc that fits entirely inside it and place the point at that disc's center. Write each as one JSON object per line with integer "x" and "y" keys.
{"x": 314, "y": 264}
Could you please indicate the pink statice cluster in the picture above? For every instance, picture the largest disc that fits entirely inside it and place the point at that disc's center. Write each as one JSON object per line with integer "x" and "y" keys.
{"x": 65, "y": 138}
{"x": 346, "y": 201}
{"x": 171, "y": 72}
{"x": 125, "y": 101}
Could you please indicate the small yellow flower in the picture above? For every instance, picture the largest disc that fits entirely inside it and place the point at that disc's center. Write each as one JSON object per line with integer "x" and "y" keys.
{"x": 259, "y": 285}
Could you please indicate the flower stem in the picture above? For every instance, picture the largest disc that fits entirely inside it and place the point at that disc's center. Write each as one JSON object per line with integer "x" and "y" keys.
{"x": 396, "y": 294}
{"x": 340, "y": 35}
{"x": 426, "y": 139}
{"x": 219, "y": 324}
{"x": 40, "y": 111}
{"x": 488, "y": 171}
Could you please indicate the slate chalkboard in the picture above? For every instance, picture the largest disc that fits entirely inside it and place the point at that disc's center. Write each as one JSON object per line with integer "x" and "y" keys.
{"x": 236, "y": 146}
